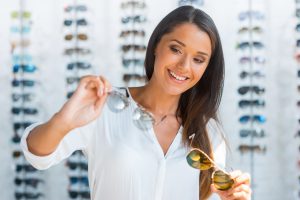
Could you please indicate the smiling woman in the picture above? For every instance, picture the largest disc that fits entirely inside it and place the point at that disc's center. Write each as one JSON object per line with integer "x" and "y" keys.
{"x": 138, "y": 143}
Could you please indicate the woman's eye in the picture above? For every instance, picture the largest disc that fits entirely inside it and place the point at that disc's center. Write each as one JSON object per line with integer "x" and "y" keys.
{"x": 198, "y": 60}
{"x": 174, "y": 49}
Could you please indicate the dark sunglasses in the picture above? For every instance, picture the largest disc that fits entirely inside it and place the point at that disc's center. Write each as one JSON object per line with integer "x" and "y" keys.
{"x": 243, "y": 148}
{"x": 253, "y": 118}
{"x": 24, "y": 97}
{"x": 19, "y": 125}
{"x": 197, "y": 159}
{"x": 250, "y": 103}
{"x": 251, "y": 14}
{"x": 80, "y": 8}
{"x": 77, "y": 50}
{"x": 28, "y": 111}
{"x": 134, "y": 61}
{"x": 256, "y": 74}
{"x": 256, "y": 59}
{"x": 136, "y": 19}
{"x": 24, "y": 68}
{"x": 132, "y": 32}
{"x": 26, "y": 168}
{"x": 259, "y": 133}
{"x": 135, "y": 47}
{"x": 27, "y": 195}
{"x": 80, "y": 179}
{"x": 245, "y": 45}
{"x": 80, "y": 36}
{"x": 79, "y": 22}
{"x": 244, "y": 89}
{"x": 77, "y": 165}
{"x": 28, "y": 181}
{"x": 138, "y": 77}
{"x": 24, "y": 83}
{"x": 78, "y": 65}
{"x": 82, "y": 194}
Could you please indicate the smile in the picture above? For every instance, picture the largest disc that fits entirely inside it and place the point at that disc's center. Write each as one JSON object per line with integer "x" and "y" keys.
{"x": 177, "y": 77}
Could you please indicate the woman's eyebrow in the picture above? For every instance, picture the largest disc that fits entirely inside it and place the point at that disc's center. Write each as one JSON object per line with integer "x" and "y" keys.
{"x": 182, "y": 44}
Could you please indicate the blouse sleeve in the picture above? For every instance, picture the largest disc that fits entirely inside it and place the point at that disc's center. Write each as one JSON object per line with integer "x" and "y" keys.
{"x": 77, "y": 139}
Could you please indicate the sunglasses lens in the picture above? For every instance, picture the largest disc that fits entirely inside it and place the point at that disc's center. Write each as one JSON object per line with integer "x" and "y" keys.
{"x": 117, "y": 102}
{"x": 221, "y": 180}
{"x": 198, "y": 160}
{"x": 142, "y": 119}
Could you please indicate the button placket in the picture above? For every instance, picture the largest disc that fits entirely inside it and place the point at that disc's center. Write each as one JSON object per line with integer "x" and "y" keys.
{"x": 160, "y": 179}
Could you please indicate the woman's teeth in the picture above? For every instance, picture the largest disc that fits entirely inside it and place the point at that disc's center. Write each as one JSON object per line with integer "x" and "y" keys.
{"x": 180, "y": 78}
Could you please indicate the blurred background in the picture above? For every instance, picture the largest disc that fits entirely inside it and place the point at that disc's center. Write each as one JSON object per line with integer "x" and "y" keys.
{"x": 46, "y": 46}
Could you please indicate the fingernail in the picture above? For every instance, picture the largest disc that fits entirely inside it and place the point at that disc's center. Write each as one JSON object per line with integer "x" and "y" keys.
{"x": 106, "y": 90}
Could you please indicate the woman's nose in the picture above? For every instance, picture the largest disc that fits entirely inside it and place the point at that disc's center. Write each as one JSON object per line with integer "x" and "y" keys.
{"x": 184, "y": 62}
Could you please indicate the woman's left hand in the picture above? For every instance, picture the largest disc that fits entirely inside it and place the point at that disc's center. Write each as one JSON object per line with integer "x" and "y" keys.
{"x": 240, "y": 190}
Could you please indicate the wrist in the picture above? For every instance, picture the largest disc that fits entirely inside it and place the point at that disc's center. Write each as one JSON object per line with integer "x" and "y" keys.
{"x": 59, "y": 123}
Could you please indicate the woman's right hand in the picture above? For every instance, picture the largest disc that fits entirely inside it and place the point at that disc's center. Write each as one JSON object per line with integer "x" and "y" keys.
{"x": 86, "y": 103}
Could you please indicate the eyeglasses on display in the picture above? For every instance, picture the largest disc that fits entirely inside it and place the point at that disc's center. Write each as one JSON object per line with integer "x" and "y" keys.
{"x": 244, "y": 89}
{"x": 243, "y": 148}
{"x": 24, "y": 68}
{"x": 132, "y": 32}
{"x": 257, "y": 74}
{"x": 253, "y": 118}
{"x": 249, "y": 103}
{"x": 78, "y": 65}
{"x": 80, "y": 8}
{"x": 79, "y": 22}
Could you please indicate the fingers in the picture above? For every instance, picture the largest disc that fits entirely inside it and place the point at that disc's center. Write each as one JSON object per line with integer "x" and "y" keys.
{"x": 104, "y": 89}
{"x": 240, "y": 190}
{"x": 243, "y": 192}
{"x": 99, "y": 83}
{"x": 106, "y": 84}
{"x": 243, "y": 179}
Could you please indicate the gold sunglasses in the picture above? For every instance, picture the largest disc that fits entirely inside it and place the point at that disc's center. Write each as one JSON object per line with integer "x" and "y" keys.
{"x": 197, "y": 159}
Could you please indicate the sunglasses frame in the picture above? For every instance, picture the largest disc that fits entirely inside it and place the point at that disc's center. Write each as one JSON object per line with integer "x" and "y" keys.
{"x": 214, "y": 165}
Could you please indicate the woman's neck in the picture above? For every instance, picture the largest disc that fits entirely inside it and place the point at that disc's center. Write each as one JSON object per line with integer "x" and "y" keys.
{"x": 154, "y": 99}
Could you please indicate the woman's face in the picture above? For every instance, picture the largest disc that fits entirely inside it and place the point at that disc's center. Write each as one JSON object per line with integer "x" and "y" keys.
{"x": 181, "y": 58}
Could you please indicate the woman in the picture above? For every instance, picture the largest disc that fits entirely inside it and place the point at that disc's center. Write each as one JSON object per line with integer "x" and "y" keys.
{"x": 185, "y": 68}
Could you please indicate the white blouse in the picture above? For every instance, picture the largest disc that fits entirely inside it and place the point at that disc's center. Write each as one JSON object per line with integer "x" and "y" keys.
{"x": 125, "y": 163}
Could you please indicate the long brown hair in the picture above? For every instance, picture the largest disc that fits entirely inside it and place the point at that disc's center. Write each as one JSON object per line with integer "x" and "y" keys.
{"x": 200, "y": 103}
